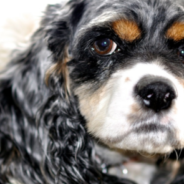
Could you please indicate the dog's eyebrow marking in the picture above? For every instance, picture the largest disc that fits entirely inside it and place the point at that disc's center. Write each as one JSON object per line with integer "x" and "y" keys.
{"x": 176, "y": 31}
{"x": 126, "y": 29}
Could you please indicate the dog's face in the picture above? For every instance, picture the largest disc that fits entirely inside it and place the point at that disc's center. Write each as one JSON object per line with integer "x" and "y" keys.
{"x": 128, "y": 73}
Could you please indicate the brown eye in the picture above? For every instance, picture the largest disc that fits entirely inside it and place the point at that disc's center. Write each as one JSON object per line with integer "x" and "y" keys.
{"x": 104, "y": 46}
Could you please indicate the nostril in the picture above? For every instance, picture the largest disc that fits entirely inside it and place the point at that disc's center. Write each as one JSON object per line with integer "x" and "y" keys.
{"x": 156, "y": 95}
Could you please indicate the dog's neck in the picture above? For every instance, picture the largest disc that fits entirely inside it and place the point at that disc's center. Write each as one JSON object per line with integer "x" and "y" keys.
{"x": 134, "y": 166}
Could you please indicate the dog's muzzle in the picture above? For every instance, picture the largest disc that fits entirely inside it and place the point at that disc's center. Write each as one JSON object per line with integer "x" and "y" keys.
{"x": 156, "y": 93}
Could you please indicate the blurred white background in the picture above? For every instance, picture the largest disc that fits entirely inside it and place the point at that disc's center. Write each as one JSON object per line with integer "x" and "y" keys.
{"x": 18, "y": 20}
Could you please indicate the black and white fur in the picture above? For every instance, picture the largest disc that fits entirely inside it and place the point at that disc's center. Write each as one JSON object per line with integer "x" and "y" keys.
{"x": 59, "y": 100}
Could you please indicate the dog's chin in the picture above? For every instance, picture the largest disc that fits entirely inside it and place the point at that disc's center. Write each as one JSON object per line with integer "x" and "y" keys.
{"x": 145, "y": 144}
{"x": 148, "y": 139}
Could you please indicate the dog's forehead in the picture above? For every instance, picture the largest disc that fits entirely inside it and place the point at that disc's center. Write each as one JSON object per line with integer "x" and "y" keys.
{"x": 153, "y": 14}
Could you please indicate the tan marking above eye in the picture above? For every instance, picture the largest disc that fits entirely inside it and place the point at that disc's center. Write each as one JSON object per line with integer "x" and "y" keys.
{"x": 127, "y": 30}
{"x": 176, "y": 31}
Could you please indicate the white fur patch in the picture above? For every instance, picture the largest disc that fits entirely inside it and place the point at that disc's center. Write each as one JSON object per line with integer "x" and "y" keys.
{"x": 110, "y": 118}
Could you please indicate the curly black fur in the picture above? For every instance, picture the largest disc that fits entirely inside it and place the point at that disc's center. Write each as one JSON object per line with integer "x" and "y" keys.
{"x": 43, "y": 137}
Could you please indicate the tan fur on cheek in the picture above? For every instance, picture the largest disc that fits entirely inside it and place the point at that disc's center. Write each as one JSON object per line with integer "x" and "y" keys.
{"x": 135, "y": 113}
{"x": 181, "y": 81}
{"x": 127, "y": 30}
{"x": 88, "y": 102}
{"x": 92, "y": 106}
{"x": 176, "y": 31}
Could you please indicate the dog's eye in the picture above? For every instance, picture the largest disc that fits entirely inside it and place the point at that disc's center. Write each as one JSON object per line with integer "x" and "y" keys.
{"x": 181, "y": 53}
{"x": 104, "y": 46}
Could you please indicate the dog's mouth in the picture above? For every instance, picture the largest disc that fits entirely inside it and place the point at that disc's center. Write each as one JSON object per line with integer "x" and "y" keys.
{"x": 153, "y": 135}
{"x": 150, "y": 128}
{"x": 151, "y": 123}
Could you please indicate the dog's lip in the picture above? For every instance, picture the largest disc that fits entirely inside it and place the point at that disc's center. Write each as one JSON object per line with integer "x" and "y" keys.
{"x": 153, "y": 124}
{"x": 151, "y": 127}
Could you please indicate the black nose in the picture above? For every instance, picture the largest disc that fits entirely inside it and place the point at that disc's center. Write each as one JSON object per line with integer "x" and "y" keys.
{"x": 156, "y": 95}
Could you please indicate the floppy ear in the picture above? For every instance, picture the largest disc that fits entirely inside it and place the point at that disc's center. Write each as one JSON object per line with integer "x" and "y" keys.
{"x": 61, "y": 151}
{"x": 69, "y": 149}
{"x": 23, "y": 93}
{"x": 45, "y": 59}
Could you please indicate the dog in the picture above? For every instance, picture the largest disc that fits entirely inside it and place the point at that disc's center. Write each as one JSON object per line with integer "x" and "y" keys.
{"x": 100, "y": 86}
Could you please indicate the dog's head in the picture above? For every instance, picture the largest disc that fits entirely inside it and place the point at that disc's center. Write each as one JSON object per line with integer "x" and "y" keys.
{"x": 124, "y": 60}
